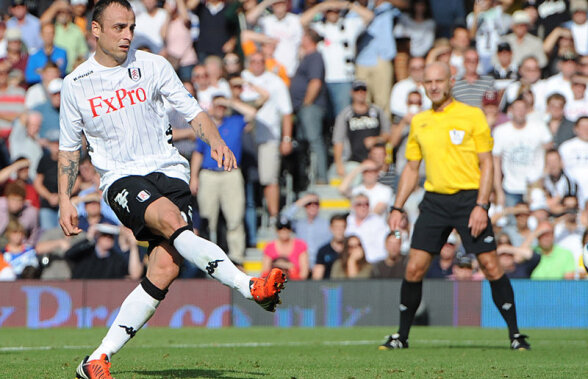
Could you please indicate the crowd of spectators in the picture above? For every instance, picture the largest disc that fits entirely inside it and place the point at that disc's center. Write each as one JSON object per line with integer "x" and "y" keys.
{"x": 322, "y": 93}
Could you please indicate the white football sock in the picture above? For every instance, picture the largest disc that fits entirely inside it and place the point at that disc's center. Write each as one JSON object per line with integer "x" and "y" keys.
{"x": 135, "y": 311}
{"x": 212, "y": 259}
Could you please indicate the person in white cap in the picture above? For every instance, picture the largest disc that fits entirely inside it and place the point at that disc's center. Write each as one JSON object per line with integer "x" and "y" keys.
{"x": 579, "y": 25}
{"x": 50, "y": 108}
{"x": 523, "y": 43}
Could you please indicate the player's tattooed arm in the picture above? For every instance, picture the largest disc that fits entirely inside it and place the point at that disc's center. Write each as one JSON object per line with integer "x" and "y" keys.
{"x": 68, "y": 163}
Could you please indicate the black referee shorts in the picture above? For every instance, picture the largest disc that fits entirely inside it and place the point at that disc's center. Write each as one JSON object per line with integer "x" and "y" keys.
{"x": 440, "y": 213}
{"x": 130, "y": 196}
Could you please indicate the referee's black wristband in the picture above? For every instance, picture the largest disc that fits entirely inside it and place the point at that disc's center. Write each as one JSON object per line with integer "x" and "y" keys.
{"x": 393, "y": 208}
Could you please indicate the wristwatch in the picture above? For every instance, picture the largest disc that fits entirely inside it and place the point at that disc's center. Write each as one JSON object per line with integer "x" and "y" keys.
{"x": 286, "y": 139}
{"x": 393, "y": 208}
{"x": 484, "y": 206}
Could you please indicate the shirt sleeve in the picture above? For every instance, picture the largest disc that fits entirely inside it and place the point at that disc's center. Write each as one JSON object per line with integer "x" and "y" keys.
{"x": 70, "y": 120}
{"x": 339, "y": 131}
{"x": 174, "y": 91}
{"x": 481, "y": 132}
{"x": 283, "y": 96}
{"x": 413, "y": 149}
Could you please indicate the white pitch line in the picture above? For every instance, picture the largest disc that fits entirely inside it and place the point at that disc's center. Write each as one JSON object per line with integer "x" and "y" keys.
{"x": 278, "y": 344}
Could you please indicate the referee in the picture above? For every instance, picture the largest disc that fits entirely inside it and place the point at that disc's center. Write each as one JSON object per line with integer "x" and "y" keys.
{"x": 454, "y": 140}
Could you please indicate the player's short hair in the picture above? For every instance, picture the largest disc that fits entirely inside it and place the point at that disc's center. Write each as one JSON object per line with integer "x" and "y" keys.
{"x": 103, "y": 4}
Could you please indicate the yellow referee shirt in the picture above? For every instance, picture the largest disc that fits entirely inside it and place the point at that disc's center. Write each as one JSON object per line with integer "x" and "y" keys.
{"x": 449, "y": 142}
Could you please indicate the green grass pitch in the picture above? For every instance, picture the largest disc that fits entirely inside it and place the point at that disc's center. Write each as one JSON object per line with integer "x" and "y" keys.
{"x": 435, "y": 352}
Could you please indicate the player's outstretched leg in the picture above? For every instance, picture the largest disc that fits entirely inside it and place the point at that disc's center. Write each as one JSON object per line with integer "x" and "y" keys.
{"x": 210, "y": 258}
{"x": 266, "y": 291}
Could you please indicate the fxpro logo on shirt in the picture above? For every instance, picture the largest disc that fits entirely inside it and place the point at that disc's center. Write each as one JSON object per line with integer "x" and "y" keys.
{"x": 121, "y": 98}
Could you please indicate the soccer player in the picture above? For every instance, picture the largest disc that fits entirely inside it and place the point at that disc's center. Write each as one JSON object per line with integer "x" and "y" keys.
{"x": 454, "y": 140}
{"x": 115, "y": 99}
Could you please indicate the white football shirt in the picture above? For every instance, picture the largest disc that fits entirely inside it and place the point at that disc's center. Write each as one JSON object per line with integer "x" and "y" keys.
{"x": 121, "y": 112}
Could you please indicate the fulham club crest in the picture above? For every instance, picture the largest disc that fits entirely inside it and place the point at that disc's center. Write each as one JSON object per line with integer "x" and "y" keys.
{"x": 134, "y": 73}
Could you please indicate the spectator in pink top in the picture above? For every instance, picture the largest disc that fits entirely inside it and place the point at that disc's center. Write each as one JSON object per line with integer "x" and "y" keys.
{"x": 286, "y": 252}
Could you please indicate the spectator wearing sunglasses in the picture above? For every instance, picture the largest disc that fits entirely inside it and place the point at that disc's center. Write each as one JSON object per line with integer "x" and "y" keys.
{"x": 312, "y": 228}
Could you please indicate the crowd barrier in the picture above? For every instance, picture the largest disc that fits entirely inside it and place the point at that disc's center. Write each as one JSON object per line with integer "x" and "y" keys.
{"x": 206, "y": 303}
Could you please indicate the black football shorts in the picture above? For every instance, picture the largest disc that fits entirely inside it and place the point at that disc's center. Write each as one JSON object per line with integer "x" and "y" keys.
{"x": 130, "y": 196}
{"x": 440, "y": 213}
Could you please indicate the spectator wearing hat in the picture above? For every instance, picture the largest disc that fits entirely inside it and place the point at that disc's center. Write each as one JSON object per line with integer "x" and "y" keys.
{"x": 340, "y": 26}
{"x": 556, "y": 262}
{"x": 357, "y": 128}
{"x": 519, "y": 153}
{"x": 16, "y": 53}
{"x": 13, "y": 206}
{"x": 491, "y": 109}
{"x": 558, "y": 44}
{"x": 68, "y": 35}
{"x": 522, "y": 42}
{"x": 504, "y": 71}
{"x": 560, "y": 127}
{"x": 50, "y": 109}
{"x": 309, "y": 100}
{"x": 11, "y": 100}
{"x": 369, "y": 227}
{"x": 82, "y": 14}
{"x": 579, "y": 25}
{"x": 28, "y": 24}
{"x": 49, "y": 52}
{"x": 287, "y": 253}
{"x": 471, "y": 87}
{"x": 92, "y": 211}
{"x": 313, "y": 228}
{"x": 97, "y": 257}
{"x": 46, "y": 182}
{"x": 562, "y": 81}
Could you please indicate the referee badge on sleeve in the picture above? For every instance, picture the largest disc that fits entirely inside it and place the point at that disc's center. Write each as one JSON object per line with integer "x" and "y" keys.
{"x": 456, "y": 136}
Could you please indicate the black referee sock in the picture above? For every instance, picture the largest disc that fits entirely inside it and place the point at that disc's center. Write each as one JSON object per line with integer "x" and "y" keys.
{"x": 410, "y": 298}
{"x": 503, "y": 297}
